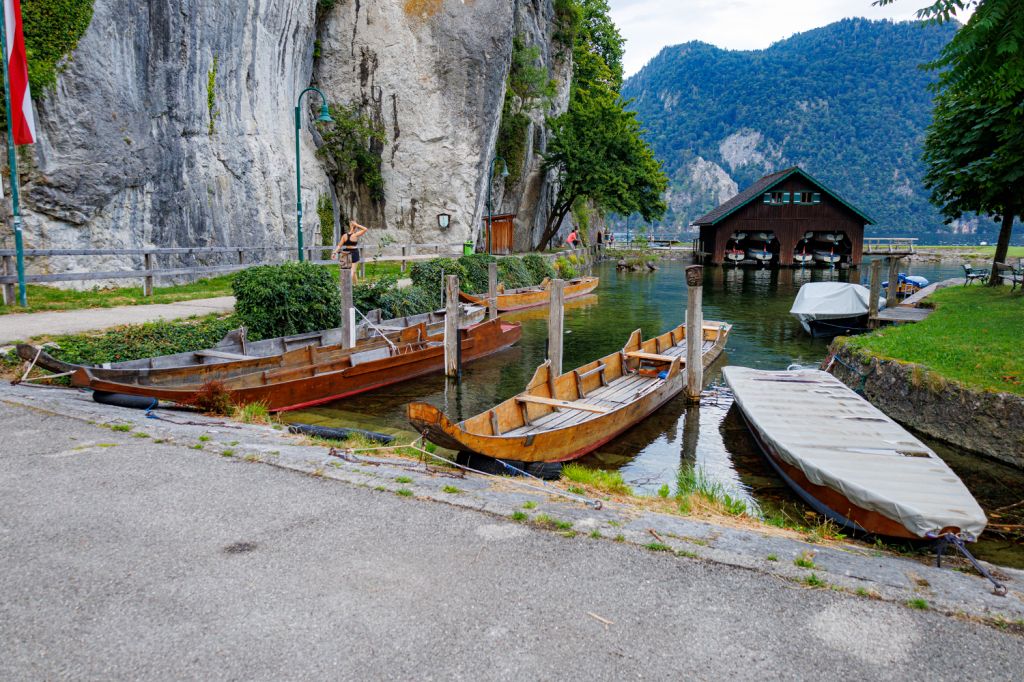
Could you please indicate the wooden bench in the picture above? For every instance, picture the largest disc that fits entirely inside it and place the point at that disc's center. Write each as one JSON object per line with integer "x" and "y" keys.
{"x": 653, "y": 357}
{"x": 971, "y": 275}
{"x": 561, "y": 404}
{"x": 1008, "y": 272}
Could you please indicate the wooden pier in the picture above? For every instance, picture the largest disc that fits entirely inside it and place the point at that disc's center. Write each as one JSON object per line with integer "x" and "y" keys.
{"x": 896, "y": 247}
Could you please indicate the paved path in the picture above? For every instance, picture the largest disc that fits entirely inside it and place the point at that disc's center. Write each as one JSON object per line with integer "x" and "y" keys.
{"x": 23, "y": 326}
{"x": 124, "y": 558}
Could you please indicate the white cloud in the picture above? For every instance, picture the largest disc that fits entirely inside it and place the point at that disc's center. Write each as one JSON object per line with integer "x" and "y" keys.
{"x": 650, "y": 25}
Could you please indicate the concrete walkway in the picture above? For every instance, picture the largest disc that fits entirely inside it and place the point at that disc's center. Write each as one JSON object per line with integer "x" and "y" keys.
{"x": 167, "y": 557}
{"x": 24, "y": 326}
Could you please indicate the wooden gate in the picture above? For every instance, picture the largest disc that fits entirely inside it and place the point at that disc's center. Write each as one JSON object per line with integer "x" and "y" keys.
{"x": 502, "y": 230}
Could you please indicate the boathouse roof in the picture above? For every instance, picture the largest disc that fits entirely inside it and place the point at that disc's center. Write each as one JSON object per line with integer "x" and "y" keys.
{"x": 765, "y": 184}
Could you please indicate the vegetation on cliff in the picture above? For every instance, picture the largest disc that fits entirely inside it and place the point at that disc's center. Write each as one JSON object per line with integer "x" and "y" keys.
{"x": 52, "y": 29}
{"x": 352, "y": 145}
{"x": 973, "y": 337}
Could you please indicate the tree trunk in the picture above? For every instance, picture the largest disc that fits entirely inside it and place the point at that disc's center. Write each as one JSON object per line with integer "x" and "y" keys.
{"x": 1003, "y": 245}
{"x": 555, "y": 219}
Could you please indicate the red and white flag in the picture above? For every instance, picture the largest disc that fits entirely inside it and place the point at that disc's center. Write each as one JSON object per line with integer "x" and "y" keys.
{"x": 23, "y": 121}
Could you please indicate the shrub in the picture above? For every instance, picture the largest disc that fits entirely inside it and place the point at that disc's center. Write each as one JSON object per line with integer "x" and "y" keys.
{"x": 476, "y": 272}
{"x": 279, "y": 300}
{"x": 143, "y": 340}
{"x": 427, "y": 276}
{"x": 402, "y": 302}
{"x": 513, "y": 273}
{"x": 539, "y": 267}
{"x": 368, "y": 294}
{"x": 565, "y": 269}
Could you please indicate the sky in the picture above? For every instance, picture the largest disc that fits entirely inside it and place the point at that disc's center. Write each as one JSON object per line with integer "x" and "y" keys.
{"x": 650, "y": 25}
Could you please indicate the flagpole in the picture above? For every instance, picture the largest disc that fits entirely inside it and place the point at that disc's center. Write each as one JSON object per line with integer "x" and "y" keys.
{"x": 12, "y": 162}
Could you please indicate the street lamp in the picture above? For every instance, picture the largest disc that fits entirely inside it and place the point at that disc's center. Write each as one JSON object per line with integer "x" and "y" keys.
{"x": 490, "y": 181}
{"x": 324, "y": 117}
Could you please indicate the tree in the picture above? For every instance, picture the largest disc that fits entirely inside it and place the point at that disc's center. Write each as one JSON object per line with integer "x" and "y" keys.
{"x": 974, "y": 148}
{"x": 596, "y": 148}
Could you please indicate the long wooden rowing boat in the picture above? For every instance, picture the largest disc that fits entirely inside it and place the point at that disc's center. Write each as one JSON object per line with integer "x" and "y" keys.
{"x": 235, "y": 355}
{"x": 557, "y": 419}
{"x": 290, "y": 388}
{"x": 530, "y": 297}
{"x": 848, "y": 460}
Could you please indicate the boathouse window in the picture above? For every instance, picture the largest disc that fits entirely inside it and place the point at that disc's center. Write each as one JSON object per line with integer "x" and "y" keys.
{"x": 776, "y": 198}
{"x": 806, "y": 197}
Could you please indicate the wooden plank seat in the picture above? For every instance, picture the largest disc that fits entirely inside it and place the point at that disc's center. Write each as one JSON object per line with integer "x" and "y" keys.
{"x": 222, "y": 355}
{"x": 653, "y": 357}
{"x": 561, "y": 404}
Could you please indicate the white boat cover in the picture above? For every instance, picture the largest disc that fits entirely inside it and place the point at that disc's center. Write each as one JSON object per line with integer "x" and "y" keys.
{"x": 832, "y": 300}
{"x": 817, "y": 424}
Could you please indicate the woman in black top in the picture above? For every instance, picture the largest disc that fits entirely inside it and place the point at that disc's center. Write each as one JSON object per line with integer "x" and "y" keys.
{"x": 349, "y": 243}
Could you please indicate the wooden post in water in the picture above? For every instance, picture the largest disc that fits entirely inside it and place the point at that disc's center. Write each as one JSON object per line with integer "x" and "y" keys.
{"x": 451, "y": 326}
{"x": 876, "y": 292}
{"x": 348, "y": 312}
{"x": 556, "y": 323}
{"x": 492, "y": 290}
{"x": 890, "y": 292}
{"x": 694, "y": 332}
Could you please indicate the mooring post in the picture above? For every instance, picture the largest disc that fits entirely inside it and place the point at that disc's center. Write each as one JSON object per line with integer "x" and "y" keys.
{"x": 9, "y": 297}
{"x": 876, "y": 292}
{"x": 894, "y": 274}
{"x": 147, "y": 283}
{"x": 556, "y": 324}
{"x": 348, "y": 312}
{"x": 694, "y": 332}
{"x": 451, "y": 326}
{"x": 492, "y": 290}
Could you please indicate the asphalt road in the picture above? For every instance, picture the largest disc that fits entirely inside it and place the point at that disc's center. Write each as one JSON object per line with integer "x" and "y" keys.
{"x": 121, "y": 558}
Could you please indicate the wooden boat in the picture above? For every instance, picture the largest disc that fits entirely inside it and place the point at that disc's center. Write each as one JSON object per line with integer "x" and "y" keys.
{"x": 735, "y": 255}
{"x": 529, "y": 297}
{"x": 802, "y": 257}
{"x": 234, "y": 355}
{"x": 561, "y": 418}
{"x": 763, "y": 255}
{"x": 848, "y": 460}
{"x": 827, "y": 257}
{"x": 293, "y": 387}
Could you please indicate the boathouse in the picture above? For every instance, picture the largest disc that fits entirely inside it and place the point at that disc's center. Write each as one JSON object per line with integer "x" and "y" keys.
{"x": 785, "y": 218}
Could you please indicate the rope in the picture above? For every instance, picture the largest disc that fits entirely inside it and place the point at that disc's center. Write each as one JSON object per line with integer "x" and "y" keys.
{"x": 150, "y": 414}
{"x": 376, "y": 328}
{"x": 946, "y": 539}
{"x": 863, "y": 377}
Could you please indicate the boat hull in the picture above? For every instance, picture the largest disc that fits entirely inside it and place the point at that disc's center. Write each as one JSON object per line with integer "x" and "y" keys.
{"x": 843, "y": 326}
{"x": 309, "y": 385}
{"x": 535, "y": 296}
{"x": 576, "y": 439}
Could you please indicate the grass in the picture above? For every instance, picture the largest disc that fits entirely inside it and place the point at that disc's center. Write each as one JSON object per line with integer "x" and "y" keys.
{"x": 51, "y": 298}
{"x": 204, "y": 439}
{"x": 596, "y": 534}
{"x": 123, "y": 428}
{"x": 918, "y": 603}
{"x": 805, "y": 560}
{"x": 977, "y": 252}
{"x": 610, "y": 482}
{"x": 696, "y": 489}
{"x": 772, "y": 557}
{"x": 404, "y": 492}
{"x": 548, "y": 522}
{"x": 451, "y": 490}
{"x": 814, "y": 581}
{"x": 529, "y": 505}
{"x": 227, "y": 453}
{"x": 403, "y": 479}
{"x": 140, "y": 434}
{"x": 973, "y": 337}
{"x": 253, "y": 413}
{"x": 619, "y": 538}
{"x": 657, "y": 547}
{"x": 519, "y": 516}
{"x": 197, "y": 446}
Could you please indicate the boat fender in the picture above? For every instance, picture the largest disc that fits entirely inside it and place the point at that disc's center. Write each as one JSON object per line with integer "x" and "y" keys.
{"x": 339, "y": 433}
{"x": 135, "y": 402}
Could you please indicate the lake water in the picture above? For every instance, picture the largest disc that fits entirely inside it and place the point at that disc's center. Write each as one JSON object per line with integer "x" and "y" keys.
{"x": 764, "y": 335}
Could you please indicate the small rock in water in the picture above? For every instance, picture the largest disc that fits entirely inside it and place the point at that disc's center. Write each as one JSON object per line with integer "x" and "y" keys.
{"x": 651, "y": 266}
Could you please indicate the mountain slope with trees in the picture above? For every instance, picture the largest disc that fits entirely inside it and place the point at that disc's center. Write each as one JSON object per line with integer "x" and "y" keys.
{"x": 848, "y": 102}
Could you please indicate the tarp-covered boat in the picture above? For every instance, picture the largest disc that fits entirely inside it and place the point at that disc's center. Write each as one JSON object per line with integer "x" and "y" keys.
{"x": 529, "y": 297}
{"x": 848, "y": 460}
{"x": 827, "y": 309}
{"x": 557, "y": 419}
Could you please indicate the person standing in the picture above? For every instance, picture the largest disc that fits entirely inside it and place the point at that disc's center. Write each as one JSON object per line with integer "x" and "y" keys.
{"x": 349, "y": 243}
{"x": 572, "y": 239}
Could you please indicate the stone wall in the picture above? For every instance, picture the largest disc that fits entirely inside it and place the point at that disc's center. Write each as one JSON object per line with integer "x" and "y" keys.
{"x": 984, "y": 422}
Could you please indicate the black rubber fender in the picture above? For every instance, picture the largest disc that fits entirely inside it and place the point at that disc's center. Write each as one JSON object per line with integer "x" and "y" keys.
{"x": 339, "y": 433}
{"x": 135, "y": 402}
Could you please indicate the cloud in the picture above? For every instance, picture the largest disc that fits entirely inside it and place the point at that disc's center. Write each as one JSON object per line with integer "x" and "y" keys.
{"x": 650, "y": 25}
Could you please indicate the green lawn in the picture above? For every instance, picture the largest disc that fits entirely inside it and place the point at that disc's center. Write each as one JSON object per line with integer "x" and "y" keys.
{"x": 975, "y": 336}
{"x": 987, "y": 252}
{"x": 51, "y": 298}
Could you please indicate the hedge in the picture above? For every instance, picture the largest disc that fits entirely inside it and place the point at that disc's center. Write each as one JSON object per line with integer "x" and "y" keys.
{"x": 280, "y": 300}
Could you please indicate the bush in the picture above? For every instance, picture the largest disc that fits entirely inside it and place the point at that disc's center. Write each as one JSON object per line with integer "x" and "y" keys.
{"x": 476, "y": 272}
{"x": 408, "y": 301}
{"x": 539, "y": 267}
{"x": 280, "y": 300}
{"x": 427, "y": 276}
{"x": 135, "y": 341}
{"x": 565, "y": 269}
{"x": 513, "y": 273}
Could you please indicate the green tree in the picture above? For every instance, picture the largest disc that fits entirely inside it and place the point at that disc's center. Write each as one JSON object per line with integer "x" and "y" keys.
{"x": 974, "y": 148}
{"x": 596, "y": 148}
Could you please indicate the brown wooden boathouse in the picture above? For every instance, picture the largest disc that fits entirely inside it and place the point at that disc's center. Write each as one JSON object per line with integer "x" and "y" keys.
{"x": 785, "y": 218}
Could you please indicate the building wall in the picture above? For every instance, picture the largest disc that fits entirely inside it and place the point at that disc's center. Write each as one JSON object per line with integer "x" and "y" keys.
{"x": 789, "y": 222}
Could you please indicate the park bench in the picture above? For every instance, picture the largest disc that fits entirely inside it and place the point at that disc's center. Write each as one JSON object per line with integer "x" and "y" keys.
{"x": 1008, "y": 272}
{"x": 970, "y": 275}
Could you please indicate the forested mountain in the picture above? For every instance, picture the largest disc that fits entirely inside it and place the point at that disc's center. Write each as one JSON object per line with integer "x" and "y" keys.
{"x": 847, "y": 102}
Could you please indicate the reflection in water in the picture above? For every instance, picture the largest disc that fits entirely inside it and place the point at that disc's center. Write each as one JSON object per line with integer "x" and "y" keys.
{"x": 713, "y": 436}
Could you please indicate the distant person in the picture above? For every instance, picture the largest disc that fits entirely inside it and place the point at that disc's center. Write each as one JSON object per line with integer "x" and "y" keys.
{"x": 611, "y": 239}
{"x": 349, "y": 243}
{"x": 573, "y": 239}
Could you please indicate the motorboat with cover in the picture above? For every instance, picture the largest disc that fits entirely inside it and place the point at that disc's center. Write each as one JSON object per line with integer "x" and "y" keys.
{"x": 827, "y": 309}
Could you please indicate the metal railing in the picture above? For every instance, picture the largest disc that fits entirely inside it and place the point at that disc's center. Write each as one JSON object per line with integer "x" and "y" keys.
{"x": 889, "y": 246}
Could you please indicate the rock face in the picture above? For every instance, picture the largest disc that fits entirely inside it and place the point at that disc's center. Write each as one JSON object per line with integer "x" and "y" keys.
{"x": 173, "y": 124}
{"x": 435, "y": 79}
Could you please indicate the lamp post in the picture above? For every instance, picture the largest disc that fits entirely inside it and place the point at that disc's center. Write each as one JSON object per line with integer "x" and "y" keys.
{"x": 324, "y": 117}
{"x": 490, "y": 180}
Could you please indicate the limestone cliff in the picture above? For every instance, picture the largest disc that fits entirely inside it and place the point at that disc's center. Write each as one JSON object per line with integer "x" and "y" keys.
{"x": 172, "y": 123}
